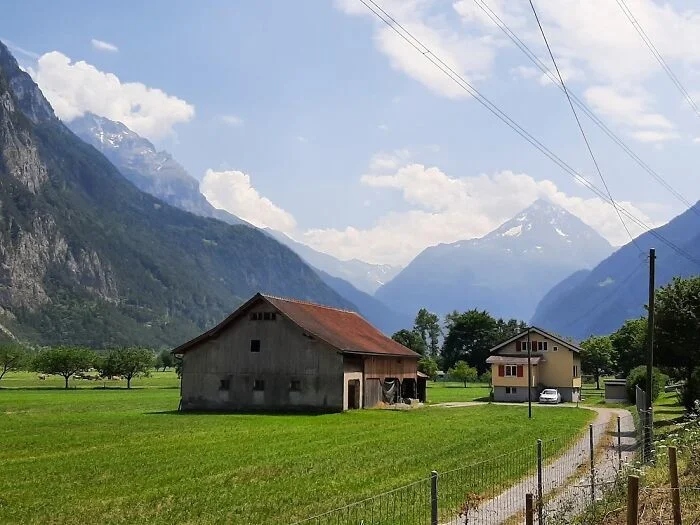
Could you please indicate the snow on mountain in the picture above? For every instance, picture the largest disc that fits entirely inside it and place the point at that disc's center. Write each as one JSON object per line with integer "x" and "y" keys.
{"x": 505, "y": 272}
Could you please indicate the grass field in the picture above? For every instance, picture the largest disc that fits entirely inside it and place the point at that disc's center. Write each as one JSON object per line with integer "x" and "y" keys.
{"x": 443, "y": 392}
{"x": 90, "y": 455}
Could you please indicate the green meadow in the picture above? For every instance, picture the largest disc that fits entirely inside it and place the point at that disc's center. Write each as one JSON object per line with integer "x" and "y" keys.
{"x": 97, "y": 453}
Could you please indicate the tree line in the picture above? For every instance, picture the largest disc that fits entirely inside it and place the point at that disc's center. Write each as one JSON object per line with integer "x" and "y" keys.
{"x": 69, "y": 361}
{"x": 460, "y": 342}
{"x": 676, "y": 343}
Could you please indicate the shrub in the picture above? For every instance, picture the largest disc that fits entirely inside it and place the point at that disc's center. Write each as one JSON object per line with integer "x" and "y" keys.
{"x": 690, "y": 392}
{"x": 638, "y": 377}
{"x": 485, "y": 377}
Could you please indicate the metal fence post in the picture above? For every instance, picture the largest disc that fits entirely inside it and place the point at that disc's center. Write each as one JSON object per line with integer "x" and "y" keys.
{"x": 540, "y": 508}
{"x": 619, "y": 444}
{"x": 592, "y": 451}
{"x": 434, "y": 498}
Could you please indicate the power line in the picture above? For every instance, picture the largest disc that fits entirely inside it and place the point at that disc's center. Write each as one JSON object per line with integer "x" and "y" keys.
{"x": 495, "y": 110}
{"x": 582, "y": 105}
{"x": 580, "y": 127}
{"x": 659, "y": 58}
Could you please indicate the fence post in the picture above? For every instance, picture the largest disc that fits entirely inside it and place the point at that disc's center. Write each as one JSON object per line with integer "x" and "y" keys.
{"x": 540, "y": 508}
{"x": 675, "y": 488}
{"x": 529, "y": 510}
{"x": 619, "y": 444}
{"x": 592, "y": 451}
{"x": 434, "y": 498}
{"x": 632, "y": 500}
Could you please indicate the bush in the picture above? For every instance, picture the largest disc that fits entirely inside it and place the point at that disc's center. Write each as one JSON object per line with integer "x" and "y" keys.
{"x": 690, "y": 392}
{"x": 485, "y": 377}
{"x": 638, "y": 377}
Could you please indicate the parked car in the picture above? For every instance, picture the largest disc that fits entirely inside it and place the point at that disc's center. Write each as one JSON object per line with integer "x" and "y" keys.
{"x": 550, "y": 395}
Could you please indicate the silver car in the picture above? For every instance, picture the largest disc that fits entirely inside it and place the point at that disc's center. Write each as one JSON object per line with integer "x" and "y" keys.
{"x": 550, "y": 395}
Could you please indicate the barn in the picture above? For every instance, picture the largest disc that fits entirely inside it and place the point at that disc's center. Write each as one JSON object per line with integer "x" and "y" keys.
{"x": 281, "y": 354}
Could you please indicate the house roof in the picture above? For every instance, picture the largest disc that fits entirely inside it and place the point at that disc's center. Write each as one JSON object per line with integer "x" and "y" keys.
{"x": 570, "y": 346}
{"x": 345, "y": 330}
{"x": 512, "y": 360}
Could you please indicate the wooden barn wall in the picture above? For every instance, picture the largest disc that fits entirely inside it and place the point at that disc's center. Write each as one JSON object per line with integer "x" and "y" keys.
{"x": 387, "y": 367}
{"x": 372, "y": 393}
{"x": 286, "y": 357}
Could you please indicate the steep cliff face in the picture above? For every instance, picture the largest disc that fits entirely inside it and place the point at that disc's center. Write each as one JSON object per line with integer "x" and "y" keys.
{"x": 87, "y": 258}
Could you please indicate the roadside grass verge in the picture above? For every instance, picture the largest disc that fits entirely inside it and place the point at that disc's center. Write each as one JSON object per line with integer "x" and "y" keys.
{"x": 90, "y": 455}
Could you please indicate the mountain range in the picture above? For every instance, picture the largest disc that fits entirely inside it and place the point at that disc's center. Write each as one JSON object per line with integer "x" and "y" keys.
{"x": 506, "y": 272}
{"x": 88, "y": 258}
{"x": 598, "y": 301}
{"x": 157, "y": 173}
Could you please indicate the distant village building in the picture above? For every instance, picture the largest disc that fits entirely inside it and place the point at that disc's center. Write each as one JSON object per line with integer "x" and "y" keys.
{"x": 289, "y": 355}
{"x": 554, "y": 363}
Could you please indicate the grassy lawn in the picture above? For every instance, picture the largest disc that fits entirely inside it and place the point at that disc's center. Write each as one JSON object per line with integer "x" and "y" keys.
{"x": 444, "y": 391}
{"x": 90, "y": 455}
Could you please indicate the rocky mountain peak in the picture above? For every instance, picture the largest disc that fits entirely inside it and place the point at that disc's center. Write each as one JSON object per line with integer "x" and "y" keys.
{"x": 30, "y": 99}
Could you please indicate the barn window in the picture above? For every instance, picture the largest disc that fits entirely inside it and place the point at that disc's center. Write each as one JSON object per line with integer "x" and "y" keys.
{"x": 295, "y": 385}
{"x": 255, "y": 345}
{"x": 259, "y": 385}
{"x": 225, "y": 384}
{"x": 255, "y": 316}
{"x": 266, "y": 316}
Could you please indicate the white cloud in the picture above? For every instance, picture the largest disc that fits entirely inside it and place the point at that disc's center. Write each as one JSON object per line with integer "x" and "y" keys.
{"x": 469, "y": 55}
{"x": 655, "y": 137}
{"x": 593, "y": 41}
{"x": 447, "y": 209}
{"x": 383, "y": 127}
{"x": 628, "y": 107}
{"x": 74, "y": 88}
{"x": 101, "y": 45}
{"x": 232, "y": 191}
{"x": 302, "y": 139}
{"x": 232, "y": 120}
{"x": 442, "y": 209}
{"x": 696, "y": 140}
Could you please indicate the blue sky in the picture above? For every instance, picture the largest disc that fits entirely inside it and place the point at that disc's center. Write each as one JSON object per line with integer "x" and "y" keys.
{"x": 312, "y": 117}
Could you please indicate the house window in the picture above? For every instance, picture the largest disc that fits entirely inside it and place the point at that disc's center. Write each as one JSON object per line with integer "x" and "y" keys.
{"x": 511, "y": 390}
{"x": 225, "y": 384}
{"x": 544, "y": 346}
{"x": 295, "y": 385}
{"x": 554, "y": 349}
{"x": 575, "y": 370}
{"x": 258, "y": 385}
{"x": 255, "y": 345}
{"x": 540, "y": 346}
{"x": 523, "y": 346}
{"x": 511, "y": 370}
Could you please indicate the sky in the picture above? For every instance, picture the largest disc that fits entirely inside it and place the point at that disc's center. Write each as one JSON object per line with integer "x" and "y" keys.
{"x": 314, "y": 118}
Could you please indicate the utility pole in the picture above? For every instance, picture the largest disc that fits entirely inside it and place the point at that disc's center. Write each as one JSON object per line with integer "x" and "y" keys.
{"x": 649, "y": 436}
{"x": 529, "y": 376}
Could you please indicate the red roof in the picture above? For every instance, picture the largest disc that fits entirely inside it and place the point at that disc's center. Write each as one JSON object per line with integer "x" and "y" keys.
{"x": 345, "y": 330}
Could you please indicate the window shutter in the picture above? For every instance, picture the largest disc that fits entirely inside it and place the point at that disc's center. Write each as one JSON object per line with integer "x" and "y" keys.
{"x": 520, "y": 370}
{"x": 501, "y": 370}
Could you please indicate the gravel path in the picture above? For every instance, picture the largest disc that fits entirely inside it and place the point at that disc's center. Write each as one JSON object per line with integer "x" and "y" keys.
{"x": 566, "y": 480}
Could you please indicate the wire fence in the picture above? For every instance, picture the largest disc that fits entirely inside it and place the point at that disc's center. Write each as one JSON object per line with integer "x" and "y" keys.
{"x": 562, "y": 477}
